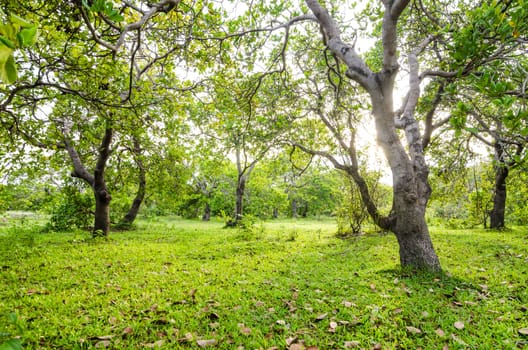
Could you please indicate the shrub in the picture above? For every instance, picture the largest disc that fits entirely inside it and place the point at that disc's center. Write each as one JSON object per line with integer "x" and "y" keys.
{"x": 73, "y": 210}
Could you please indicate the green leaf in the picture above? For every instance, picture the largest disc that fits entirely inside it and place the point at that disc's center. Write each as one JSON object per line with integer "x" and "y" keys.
{"x": 28, "y": 36}
{"x": 20, "y": 21}
{"x": 7, "y": 42}
{"x": 11, "y": 344}
{"x": 85, "y": 4}
{"x": 10, "y": 70}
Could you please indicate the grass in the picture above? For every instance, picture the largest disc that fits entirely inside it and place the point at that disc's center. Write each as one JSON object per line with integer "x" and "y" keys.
{"x": 173, "y": 284}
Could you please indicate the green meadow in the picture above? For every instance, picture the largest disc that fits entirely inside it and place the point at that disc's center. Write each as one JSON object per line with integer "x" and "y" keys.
{"x": 287, "y": 284}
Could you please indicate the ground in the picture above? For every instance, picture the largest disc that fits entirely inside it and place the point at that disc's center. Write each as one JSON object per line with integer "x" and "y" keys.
{"x": 174, "y": 283}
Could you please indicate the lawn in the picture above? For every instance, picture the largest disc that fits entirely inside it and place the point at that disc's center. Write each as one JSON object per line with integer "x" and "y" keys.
{"x": 174, "y": 283}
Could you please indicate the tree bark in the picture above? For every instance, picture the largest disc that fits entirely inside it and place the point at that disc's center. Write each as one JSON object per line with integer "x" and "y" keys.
{"x": 239, "y": 201}
{"x": 295, "y": 209}
{"x": 207, "y": 212}
{"x": 102, "y": 211}
{"x": 499, "y": 195}
{"x": 102, "y": 196}
{"x": 95, "y": 180}
{"x": 132, "y": 213}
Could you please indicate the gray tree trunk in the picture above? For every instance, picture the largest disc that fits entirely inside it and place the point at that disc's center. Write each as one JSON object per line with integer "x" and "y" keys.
{"x": 132, "y": 213}
{"x": 409, "y": 170}
{"x": 95, "y": 180}
{"x": 499, "y": 199}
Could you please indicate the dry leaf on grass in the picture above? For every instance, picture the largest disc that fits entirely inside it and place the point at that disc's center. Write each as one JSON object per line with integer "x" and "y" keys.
{"x": 459, "y": 325}
{"x": 413, "y": 330}
{"x": 206, "y": 342}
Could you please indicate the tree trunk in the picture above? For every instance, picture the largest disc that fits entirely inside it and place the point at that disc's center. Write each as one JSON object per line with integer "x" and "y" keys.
{"x": 95, "y": 180}
{"x": 129, "y": 218}
{"x": 499, "y": 197}
{"x": 207, "y": 212}
{"x": 416, "y": 247}
{"x": 409, "y": 169}
{"x": 239, "y": 202}
{"x": 295, "y": 209}
{"x": 102, "y": 196}
{"x": 102, "y": 211}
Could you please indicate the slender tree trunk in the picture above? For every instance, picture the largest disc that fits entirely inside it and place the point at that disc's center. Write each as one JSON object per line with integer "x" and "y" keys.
{"x": 239, "y": 201}
{"x": 132, "y": 213}
{"x": 295, "y": 208}
{"x": 207, "y": 212}
{"x": 499, "y": 197}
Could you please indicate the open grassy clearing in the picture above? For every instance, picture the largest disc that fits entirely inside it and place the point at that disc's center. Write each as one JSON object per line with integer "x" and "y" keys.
{"x": 286, "y": 284}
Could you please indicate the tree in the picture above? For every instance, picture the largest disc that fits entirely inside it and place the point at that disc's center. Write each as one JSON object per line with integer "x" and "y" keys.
{"x": 441, "y": 46}
{"x": 244, "y": 116}
{"x": 490, "y": 106}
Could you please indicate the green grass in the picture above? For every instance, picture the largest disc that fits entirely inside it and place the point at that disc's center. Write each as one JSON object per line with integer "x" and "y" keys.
{"x": 285, "y": 284}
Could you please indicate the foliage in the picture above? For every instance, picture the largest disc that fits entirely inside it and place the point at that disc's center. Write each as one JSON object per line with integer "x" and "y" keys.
{"x": 27, "y": 195}
{"x": 517, "y": 202}
{"x": 72, "y": 209}
{"x": 177, "y": 283}
{"x": 15, "y": 33}
{"x": 350, "y": 212}
{"x": 11, "y": 343}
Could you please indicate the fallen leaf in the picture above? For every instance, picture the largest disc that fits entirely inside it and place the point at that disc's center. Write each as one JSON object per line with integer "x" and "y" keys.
{"x": 128, "y": 330}
{"x": 321, "y": 317}
{"x": 348, "y": 304}
{"x": 206, "y": 342}
{"x": 105, "y": 337}
{"x": 333, "y": 325}
{"x": 296, "y": 346}
{"x": 377, "y": 347}
{"x": 425, "y": 314}
{"x": 260, "y": 303}
{"x": 281, "y": 322}
{"x": 459, "y": 325}
{"x": 243, "y": 329}
{"x": 156, "y": 344}
{"x": 413, "y": 330}
{"x": 523, "y": 331}
{"x": 291, "y": 340}
{"x": 351, "y": 344}
{"x": 103, "y": 344}
{"x": 440, "y": 332}
{"x": 312, "y": 348}
{"x": 187, "y": 338}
